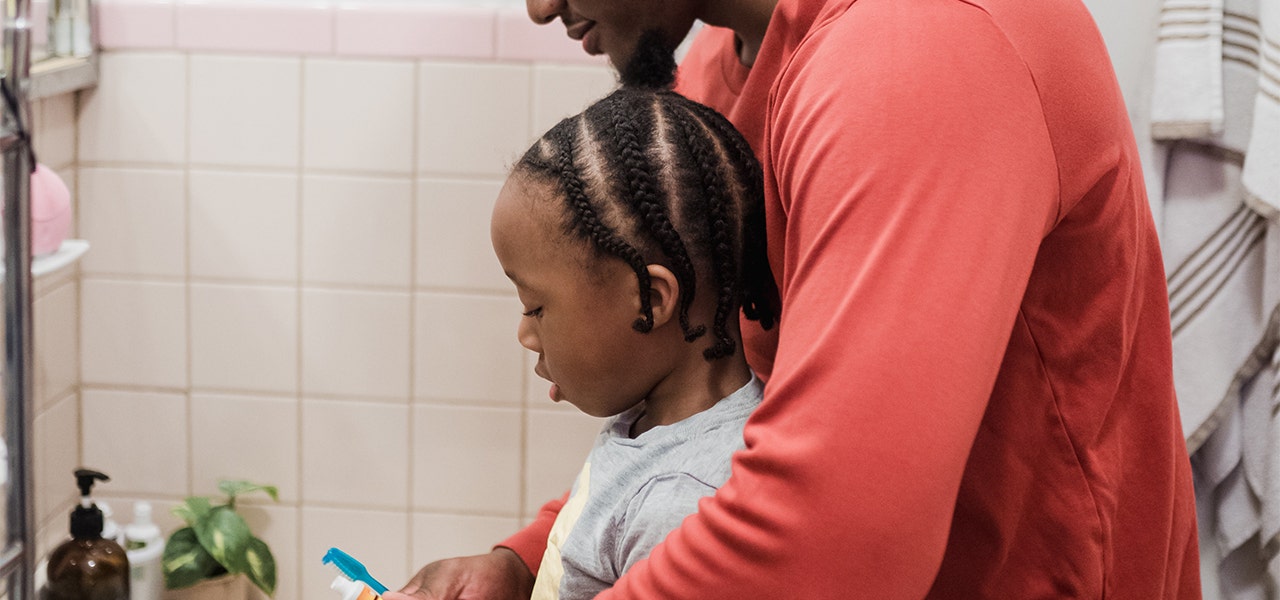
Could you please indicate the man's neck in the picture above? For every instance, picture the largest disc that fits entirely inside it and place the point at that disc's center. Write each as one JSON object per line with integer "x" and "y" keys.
{"x": 749, "y": 19}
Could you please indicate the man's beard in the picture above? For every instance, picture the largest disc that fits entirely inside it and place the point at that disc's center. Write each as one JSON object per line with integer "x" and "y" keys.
{"x": 652, "y": 65}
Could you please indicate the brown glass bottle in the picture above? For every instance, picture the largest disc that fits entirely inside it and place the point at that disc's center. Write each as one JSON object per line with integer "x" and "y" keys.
{"x": 87, "y": 566}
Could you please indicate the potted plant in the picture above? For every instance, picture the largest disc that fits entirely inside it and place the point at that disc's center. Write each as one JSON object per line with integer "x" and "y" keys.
{"x": 216, "y": 547}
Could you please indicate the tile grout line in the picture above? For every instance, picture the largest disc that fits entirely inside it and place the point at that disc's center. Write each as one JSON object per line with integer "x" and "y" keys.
{"x": 299, "y": 430}
{"x": 186, "y": 285}
{"x": 412, "y": 462}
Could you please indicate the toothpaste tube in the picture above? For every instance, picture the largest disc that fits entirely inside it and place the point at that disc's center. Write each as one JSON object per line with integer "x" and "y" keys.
{"x": 353, "y": 590}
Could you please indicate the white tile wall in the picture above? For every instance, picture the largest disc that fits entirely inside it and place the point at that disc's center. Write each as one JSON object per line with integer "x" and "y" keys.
{"x": 244, "y": 337}
{"x": 133, "y": 333}
{"x": 561, "y": 90}
{"x": 136, "y": 221}
{"x": 57, "y": 454}
{"x": 279, "y": 527}
{"x": 358, "y": 115}
{"x": 244, "y": 225}
{"x": 355, "y": 344}
{"x": 57, "y": 349}
{"x": 137, "y": 112}
{"x": 453, "y": 235}
{"x": 353, "y": 454}
{"x": 231, "y": 435}
{"x": 466, "y": 459}
{"x": 138, "y": 438}
{"x": 244, "y": 110}
{"x": 467, "y": 349}
{"x": 473, "y": 118}
{"x": 357, "y": 230}
{"x": 437, "y": 536}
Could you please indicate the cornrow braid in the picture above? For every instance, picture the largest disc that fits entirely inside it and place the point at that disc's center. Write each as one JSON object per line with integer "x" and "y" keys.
{"x": 702, "y": 152}
{"x": 649, "y": 176}
{"x": 563, "y": 141}
{"x": 760, "y": 292}
{"x": 632, "y": 134}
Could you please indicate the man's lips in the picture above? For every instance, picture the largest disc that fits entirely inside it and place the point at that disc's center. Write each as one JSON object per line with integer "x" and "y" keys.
{"x": 582, "y": 30}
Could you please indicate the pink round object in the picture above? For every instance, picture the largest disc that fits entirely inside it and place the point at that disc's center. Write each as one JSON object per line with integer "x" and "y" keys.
{"x": 50, "y": 211}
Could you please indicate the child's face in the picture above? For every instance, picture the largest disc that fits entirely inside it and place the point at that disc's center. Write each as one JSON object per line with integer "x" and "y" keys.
{"x": 578, "y": 310}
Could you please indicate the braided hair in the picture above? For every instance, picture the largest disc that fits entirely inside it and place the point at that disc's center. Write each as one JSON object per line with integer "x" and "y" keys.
{"x": 649, "y": 176}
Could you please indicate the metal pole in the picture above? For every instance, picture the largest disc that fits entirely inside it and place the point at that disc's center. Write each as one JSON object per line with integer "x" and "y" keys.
{"x": 18, "y": 388}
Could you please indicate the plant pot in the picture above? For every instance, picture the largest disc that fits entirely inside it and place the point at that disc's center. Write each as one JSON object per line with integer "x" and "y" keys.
{"x": 223, "y": 587}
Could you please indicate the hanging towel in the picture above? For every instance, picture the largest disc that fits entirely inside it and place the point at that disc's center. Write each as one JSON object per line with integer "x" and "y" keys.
{"x": 1262, "y": 157}
{"x": 1187, "y": 95}
{"x": 1216, "y": 104}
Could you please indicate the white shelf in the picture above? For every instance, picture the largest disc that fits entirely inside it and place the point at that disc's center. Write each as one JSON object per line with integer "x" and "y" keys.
{"x": 67, "y": 254}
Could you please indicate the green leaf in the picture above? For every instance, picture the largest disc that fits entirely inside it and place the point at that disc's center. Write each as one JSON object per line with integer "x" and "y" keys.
{"x": 238, "y": 487}
{"x": 262, "y": 566}
{"x": 226, "y": 536}
{"x": 193, "y": 510}
{"x": 185, "y": 562}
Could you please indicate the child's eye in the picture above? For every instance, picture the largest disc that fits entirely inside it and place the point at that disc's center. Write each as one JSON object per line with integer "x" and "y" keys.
{"x": 537, "y": 312}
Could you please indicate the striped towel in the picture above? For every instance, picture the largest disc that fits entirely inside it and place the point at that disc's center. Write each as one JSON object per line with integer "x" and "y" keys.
{"x": 1216, "y": 102}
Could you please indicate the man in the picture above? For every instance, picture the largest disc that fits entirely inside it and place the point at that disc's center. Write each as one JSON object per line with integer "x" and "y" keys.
{"x": 970, "y": 394}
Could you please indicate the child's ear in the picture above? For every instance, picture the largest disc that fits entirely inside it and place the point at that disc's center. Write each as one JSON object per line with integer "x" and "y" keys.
{"x": 664, "y": 294}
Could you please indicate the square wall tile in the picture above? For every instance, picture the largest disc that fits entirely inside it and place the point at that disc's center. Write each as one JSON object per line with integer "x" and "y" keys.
{"x": 57, "y": 456}
{"x": 244, "y": 437}
{"x": 138, "y": 438}
{"x": 557, "y": 445}
{"x": 355, "y": 344}
{"x": 465, "y": 348}
{"x": 57, "y": 345}
{"x": 138, "y": 111}
{"x": 261, "y": 26}
{"x": 466, "y": 459}
{"x": 379, "y": 539}
{"x": 244, "y": 225}
{"x": 454, "y": 250}
{"x": 278, "y": 527}
{"x": 356, "y": 230}
{"x": 55, "y": 131}
{"x": 244, "y": 338}
{"x": 473, "y": 118}
{"x": 136, "y": 220}
{"x": 133, "y": 333}
{"x": 437, "y": 536}
{"x": 358, "y": 115}
{"x": 453, "y": 30}
{"x": 245, "y": 110}
{"x": 563, "y": 90}
{"x": 126, "y": 24}
{"x": 341, "y": 439}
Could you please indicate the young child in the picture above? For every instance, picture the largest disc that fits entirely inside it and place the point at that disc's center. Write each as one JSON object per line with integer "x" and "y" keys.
{"x": 634, "y": 233}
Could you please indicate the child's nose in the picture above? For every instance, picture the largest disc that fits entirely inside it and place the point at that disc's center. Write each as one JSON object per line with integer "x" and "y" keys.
{"x": 527, "y": 336}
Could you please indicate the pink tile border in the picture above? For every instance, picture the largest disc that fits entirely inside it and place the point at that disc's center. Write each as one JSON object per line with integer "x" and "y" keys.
{"x": 135, "y": 24}
{"x": 377, "y": 28}
{"x": 520, "y": 39}
{"x": 255, "y": 26}
{"x": 400, "y": 30}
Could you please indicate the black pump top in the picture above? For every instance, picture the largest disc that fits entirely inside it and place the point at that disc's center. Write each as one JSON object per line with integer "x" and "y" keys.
{"x": 86, "y": 519}
{"x": 85, "y": 479}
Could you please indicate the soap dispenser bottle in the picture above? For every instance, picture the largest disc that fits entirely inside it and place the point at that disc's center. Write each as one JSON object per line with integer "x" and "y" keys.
{"x": 88, "y": 566}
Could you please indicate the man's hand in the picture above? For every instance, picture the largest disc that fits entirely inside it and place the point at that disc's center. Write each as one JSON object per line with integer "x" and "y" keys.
{"x": 498, "y": 575}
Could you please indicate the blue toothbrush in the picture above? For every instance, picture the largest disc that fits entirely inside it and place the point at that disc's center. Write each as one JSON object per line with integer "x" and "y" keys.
{"x": 352, "y": 569}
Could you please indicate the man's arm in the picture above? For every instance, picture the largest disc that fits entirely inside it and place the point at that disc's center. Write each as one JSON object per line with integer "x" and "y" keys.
{"x": 916, "y": 181}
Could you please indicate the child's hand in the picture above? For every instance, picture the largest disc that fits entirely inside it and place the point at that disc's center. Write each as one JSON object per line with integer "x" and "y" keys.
{"x": 498, "y": 575}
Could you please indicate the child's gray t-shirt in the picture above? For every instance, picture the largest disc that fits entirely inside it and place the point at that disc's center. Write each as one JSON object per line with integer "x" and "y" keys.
{"x": 632, "y": 492}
